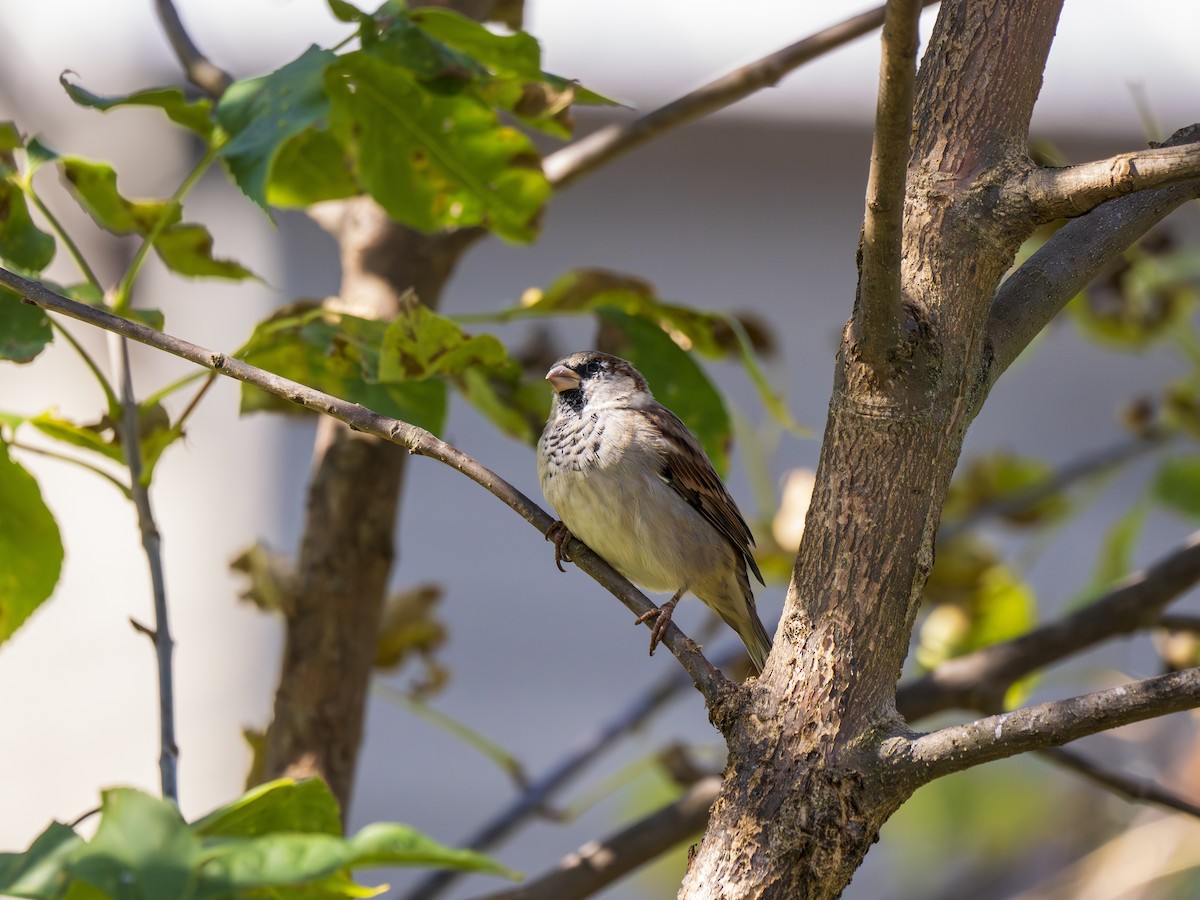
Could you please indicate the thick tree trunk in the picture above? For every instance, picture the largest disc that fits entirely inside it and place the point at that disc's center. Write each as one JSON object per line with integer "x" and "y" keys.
{"x": 804, "y": 795}
{"x": 347, "y": 549}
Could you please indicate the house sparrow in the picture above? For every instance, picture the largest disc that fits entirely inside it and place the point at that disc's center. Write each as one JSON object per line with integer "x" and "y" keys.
{"x": 631, "y": 482}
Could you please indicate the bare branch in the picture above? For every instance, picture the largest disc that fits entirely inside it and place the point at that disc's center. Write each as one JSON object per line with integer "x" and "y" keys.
{"x": 599, "y": 863}
{"x": 1179, "y": 622}
{"x": 1074, "y": 190}
{"x": 1052, "y": 724}
{"x": 164, "y": 646}
{"x": 979, "y": 680}
{"x": 600, "y": 147}
{"x": 879, "y": 313}
{"x": 1079, "y": 470}
{"x": 1138, "y": 790}
{"x": 1026, "y": 302}
{"x": 210, "y": 78}
{"x": 708, "y": 679}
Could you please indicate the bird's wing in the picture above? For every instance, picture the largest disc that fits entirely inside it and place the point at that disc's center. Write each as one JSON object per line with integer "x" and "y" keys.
{"x": 687, "y": 469}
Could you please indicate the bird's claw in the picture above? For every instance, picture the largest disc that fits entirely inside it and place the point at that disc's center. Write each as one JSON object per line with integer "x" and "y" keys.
{"x": 662, "y": 619}
{"x": 561, "y": 536}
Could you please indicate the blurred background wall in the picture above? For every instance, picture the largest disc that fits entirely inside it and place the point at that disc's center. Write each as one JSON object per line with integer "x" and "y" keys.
{"x": 756, "y": 210}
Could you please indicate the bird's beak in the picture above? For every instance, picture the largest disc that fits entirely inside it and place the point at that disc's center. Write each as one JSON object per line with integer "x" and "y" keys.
{"x": 563, "y": 379}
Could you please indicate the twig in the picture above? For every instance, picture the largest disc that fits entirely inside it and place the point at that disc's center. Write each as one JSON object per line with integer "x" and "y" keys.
{"x": 708, "y": 679}
{"x": 210, "y": 78}
{"x": 878, "y": 313}
{"x": 168, "y": 759}
{"x": 1052, "y": 724}
{"x": 980, "y": 679}
{"x": 603, "y": 146}
{"x": 1074, "y": 190}
{"x": 597, "y": 864}
{"x": 1139, "y": 790}
{"x": 1026, "y": 302}
{"x": 538, "y": 795}
{"x": 1085, "y": 467}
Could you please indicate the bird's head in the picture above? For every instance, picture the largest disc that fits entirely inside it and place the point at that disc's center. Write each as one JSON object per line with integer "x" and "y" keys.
{"x": 596, "y": 380}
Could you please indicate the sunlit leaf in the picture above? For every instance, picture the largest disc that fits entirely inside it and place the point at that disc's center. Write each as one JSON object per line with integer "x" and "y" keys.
{"x": 24, "y": 329}
{"x": 30, "y": 545}
{"x": 38, "y": 872}
{"x": 262, "y": 114}
{"x": 434, "y": 161}
{"x": 1115, "y": 558}
{"x": 418, "y": 343}
{"x": 1176, "y": 484}
{"x": 187, "y": 249}
{"x": 193, "y": 114}
{"x": 95, "y": 186}
{"x": 85, "y": 437}
{"x": 311, "y": 167}
{"x": 337, "y": 354}
{"x": 306, "y": 806}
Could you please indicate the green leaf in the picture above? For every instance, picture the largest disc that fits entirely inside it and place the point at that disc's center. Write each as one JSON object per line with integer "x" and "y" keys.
{"x": 142, "y": 850}
{"x": 1176, "y": 484}
{"x": 95, "y": 187}
{"x": 311, "y": 167}
{"x": 517, "y": 53}
{"x": 24, "y": 329}
{"x": 22, "y": 243}
{"x": 1115, "y": 559}
{"x": 187, "y": 249}
{"x": 10, "y": 138}
{"x": 434, "y": 161}
{"x": 30, "y": 546}
{"x": 514, "y": 404}
{"x": 337, "y": 354}
{"x": 38, "y": 872}
{"x": 262, "y": 114}
{"x": 306, "y": 806}
{"x": 194, "y": 115}
{"x": 418, "y": 343}
{"x": 84, "y": 437}
{"x": 346, "y": 12}
{"x": 677, "y": 381}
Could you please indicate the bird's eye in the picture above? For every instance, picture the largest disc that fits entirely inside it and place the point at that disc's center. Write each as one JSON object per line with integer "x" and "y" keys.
{"x": 593, "y": 367}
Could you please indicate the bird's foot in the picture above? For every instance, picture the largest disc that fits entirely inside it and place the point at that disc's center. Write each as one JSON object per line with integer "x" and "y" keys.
{"x": 561, "y": 536}
{"x": 662, "y": 618}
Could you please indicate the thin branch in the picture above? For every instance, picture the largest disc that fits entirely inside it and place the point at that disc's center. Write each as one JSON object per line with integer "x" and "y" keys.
{"x": 1074, "y": 190}
{"x": 1052, "y": 724}
{"x": 1179, "y": 622}
{"x": 536, "y": 798}
{"x": 980, "y": 679}
{"x": 201, "y": 72}
{"x": 1137, "y": 790}
{"x": 1079, "y": 470}
{"x": 597, "y": 864}
{"x": 168, "y": 758}
{"x": 603, "y": 146}
{"x": 708, "y": 679}
{"x": 879, "y": 310}
{"x": 1033, "y": 295}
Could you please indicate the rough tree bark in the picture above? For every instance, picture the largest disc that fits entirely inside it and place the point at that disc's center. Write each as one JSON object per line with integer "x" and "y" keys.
{"x": 806, "y": 790}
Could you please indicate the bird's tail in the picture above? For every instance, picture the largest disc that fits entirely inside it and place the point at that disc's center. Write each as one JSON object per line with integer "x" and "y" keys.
{"x": 758, "y": 643}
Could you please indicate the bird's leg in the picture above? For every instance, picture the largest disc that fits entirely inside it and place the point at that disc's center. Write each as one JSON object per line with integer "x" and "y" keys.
{"x": 561, "y": 536}
{"x": 661, "y": 617}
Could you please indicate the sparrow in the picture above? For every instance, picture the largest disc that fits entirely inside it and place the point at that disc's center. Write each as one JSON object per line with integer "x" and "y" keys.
{"x": 628, "y": 479}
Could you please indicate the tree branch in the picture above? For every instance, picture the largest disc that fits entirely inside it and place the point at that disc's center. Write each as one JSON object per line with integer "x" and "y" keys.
{"x": 210, "y": 78}
{"x": 599, "y": 863}
{"x": 879, "y": 312}
{"x": 1074, "y": 190}
{"x": 1050, "y": 724}
{"x": 1136, "y": 790}
{"x": 164, "y": 646}
{"x": 603, "y": 146}
{"x": 708, "y": 679}
{"x": 979, "y": 680}
{"x": 1026, "y": 302}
